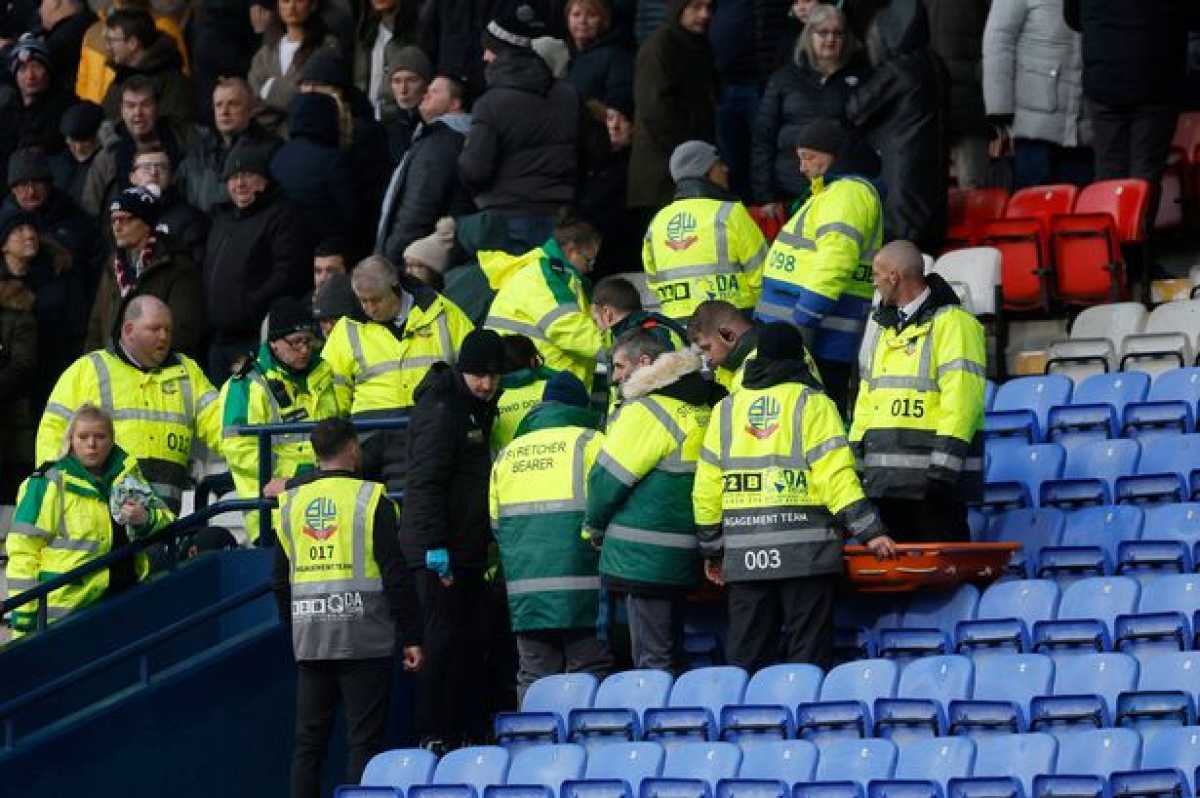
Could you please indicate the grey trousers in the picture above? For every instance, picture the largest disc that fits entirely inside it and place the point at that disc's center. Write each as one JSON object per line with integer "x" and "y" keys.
{"x": 549, "y": 651}
{"x": 655, "y": 631}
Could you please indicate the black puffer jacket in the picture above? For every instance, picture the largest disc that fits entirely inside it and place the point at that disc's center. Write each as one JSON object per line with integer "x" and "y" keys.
{"x": 957, "y": 37}
{"x": 900, "y": 110}
{"x": 745, "y": 36}
{"x": 32, "y": 125}
{"x": 522, "y": 152}
{"x": 446, "y": 499}
{"x": 603, "y": 69}
{"x": 796, "y": 95}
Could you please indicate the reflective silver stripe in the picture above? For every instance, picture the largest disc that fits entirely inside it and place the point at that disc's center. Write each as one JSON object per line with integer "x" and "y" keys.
{"x": 939, "y": 459}
{"x": 921, "y": 381}
{"x": 165, "y": 416}
{"x": 356, "y": 348}
{"x": 860, "y": 516}
{"x": 844, "y": 229}
{"x": 285, "y": 529}
{"x": 338, "y": 379}
{"x": 896, "y": 461}
{"x": 166, "y": 490}
{"x": 443, "y": 326}
{"x": 207, "y": 399}
{"x": 272, "y": 404}
{"x": 710, "y": 458}
{"x": 962, "y": 364}
{"x": 722, "y": 236}
{"x": 620, "y": 472}
{"x": 904, "y": 383}
{"x": 660, "y": 413}
{"x": 185, "y": 391}
{"x": 775, "y": 311}
{"x": 414, "y": 362}
{"x": 842, "y": 324}
{"x": 696, "y": 270}
{"x": 15, "y": 584}
{"x": 522, "y": 586}
{"x": 756, "y": 259}
{"x": 665, "y": 539}
{"x": 537, "y": 508}
{"x": 578, "y": 473}
{"x": 103, "y": 380}
{"x": 62, "y": 411}
{"x": 564, "y": 309}
{"x": 513, "y": 326}
{"x": 29, "y": 530}
{"x": 794, "y": 459}
{"x": 58, "y": 613}
{"x": 361, "y": 503}
{"x": 808, "y": 534}
{"x": 74, "y": 544}
{"x": 822, "y": 449}
{"x": 675, "y": 464}
{"x": 364, "y": 585}
{"x": 795, "y": 240}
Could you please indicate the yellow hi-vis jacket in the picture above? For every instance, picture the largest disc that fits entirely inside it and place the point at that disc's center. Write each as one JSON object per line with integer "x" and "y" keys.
{"x": 699, "y": 248}
{"x": 62, "y": 521}
{"x": 547, "y": 301}
{"x": 376, "y": 368}
{"x": 732, "y": 373}
{"x": 776, "y": 485}
{"x": 266, "y": 392}
{"x": 160, "y": 414}
{"x": 95, "y": 75}
{"x": 919, "y": 414}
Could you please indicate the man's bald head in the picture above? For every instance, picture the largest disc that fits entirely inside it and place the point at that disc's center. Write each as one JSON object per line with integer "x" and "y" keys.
{"x": 146, "y": 330}
{"x": 899, "y": 273}
{"x": 715, "y": 328}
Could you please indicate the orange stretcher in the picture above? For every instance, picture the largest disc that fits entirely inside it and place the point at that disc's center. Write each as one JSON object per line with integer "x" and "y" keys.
{"x": 926, "y": 566}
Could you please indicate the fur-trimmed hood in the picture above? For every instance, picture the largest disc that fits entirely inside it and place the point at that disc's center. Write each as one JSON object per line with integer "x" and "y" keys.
{"x": 668, "y": 369}
{"x": 15, "y": 295}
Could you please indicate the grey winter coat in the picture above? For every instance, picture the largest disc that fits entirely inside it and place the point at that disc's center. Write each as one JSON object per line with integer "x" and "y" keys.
{"x": 1033, "y": 70}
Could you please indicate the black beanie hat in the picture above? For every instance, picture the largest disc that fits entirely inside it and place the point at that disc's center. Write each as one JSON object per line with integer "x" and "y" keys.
{"x": 28, "y": 164}
{"x": 482, "y": 352}
{"x": 247, "y": 157}
{"x": 780, "y": 341}
{"x": 327, "y": 67}
{"x": 288, "y": 315}
{"x": 517, "y": 28}
{"x": 335, "y": 298}
{"x": 137, "y": 201}
{"x": 565, "y": 387}
{"x": 81, "y": 121}
{"x": 822, "y": 135}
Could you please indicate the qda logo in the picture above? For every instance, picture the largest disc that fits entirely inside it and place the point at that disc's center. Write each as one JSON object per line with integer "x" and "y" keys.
{"x": 681, "y": 231}
{"x": 763, "y": 417}
{"x": 320, "y": 519}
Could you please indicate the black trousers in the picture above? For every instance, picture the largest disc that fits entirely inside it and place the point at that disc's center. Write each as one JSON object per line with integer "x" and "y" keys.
{"x": 836, "y": 376}
{"x": 450, "y": 695}
{"x": 1133, "y": 141}
{"x": 802, "y": 609}
{"x": 937, "y": 519}
{"x": 364, "y": 688}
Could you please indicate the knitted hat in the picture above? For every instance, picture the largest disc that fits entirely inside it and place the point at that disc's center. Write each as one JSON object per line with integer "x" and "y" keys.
{"x": 692, "y": 159}
{"x": 335, "y": 298}
{"x": 482, "y": 352}
{"x": 138, "y": 201}
{"x": 823, "y": 135}
{"x": 565, "y": 387}
{"x": 288, "y": 315}
{"x": 81, "y": 121}
{"x": 620, "y": 98}
{"x": 246, "y": 157}
{"x": 434, "y": 249}
{"x": 411, "y": 59}
{"x": 555, "y": 53}
{"x": 29, "y": 48}
{"x": 780, "y": 341}
{"x": 516, "y": 28}
{"x": 11, "y": 219}
{"x": 327, "y": 67}
{"x": 28, "y": 164}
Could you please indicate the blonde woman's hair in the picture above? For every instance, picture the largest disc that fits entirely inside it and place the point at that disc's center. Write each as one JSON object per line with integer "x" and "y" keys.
{"x": 821, "y": 14}
{"x": 87, "y": 412}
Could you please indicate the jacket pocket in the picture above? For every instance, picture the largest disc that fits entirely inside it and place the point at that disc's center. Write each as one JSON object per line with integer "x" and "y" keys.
{"x": 1037, "y": 85}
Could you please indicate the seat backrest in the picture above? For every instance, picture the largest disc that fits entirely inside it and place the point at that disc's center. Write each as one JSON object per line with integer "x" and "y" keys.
{"x": 1106, "y": 674}
{"x": 560, "y": 692}
{"x": 1041, "y": 202}
{"x": 941, "y": 610}
{"x": 1103, "y": 526}
{"x": 1098, "y": 752}
{"x": 1028, "y": 599}
{"x": 864, "y": 680}
{"x": 857, "y": 760}
{"x": 943, "y": 679}
{"x": 1173, "y": 521}
{"x": 1037, "y": 393}
{"x": 1170, "y": 453}
{"x": 1171, "y": 593}
{"x": 1013, "y": 677}
{"x": 1180, "y": 316}
{"x": 1102, "y": 597}
{"x": 973, "y": 206}
{"x": 1174, "y": 748}
{"x": 711, "y": 688}
{"x": 635, "y": 689}
{"x": 1032, "y": 463}
{"x": 478, "y": 766}
{"x": 786, "y": 685}
{"x": 630, "y": 761}
{"x": 1114, "y": 388}
{"x": 1102, "y": 459}
{"x": 1180, "y": 384}
{"x": 1022, "y": 756}
{"x": 976, "y": 268}
{"x": 708, "y": 761}
{"x": 1124, "y": 200}
{"x": 400, "y": 768}
{"x": 550, "y": 765}
{"x": 1033, "y": 528}
{"x": 936, "y": 758}
{"x": 789, "y": 761}
{"x": 1113, "y": 321}
{"x": 1171, "y": 670}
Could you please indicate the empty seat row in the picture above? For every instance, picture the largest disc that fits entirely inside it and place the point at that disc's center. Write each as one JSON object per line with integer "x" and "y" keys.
{"x": 1123, "y": 336}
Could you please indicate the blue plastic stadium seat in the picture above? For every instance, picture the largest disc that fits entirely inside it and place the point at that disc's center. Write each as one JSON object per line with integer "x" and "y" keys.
{"x": 846, "y": 766}
{"x": 359, "y": 791}
{"x": 1033, "y": 529}
{"x": 766, "y": 709}
{"x": 1170, "y": 758}
{"x": 927, "y": 625}
{"x": 1007, "y": 612}
{"x": 1169, "y": 538}
{"x": 927, "y": 686}
{"x": 855, "y": 617}
{"x": 616, "y": 770}
{"x": 1085, "y": 692}
{"x": 1097, "y": 406}
{"x": 1021, "y": 406}
{"x": 1164, "y": 616}
{"x": 540, "y": 770}
{"x": 695, "y": 705}
{"x": 1090, "y": 474}
{"x": 770, "y": 768}
{"x": 545, "y": 708}
{"x": 1085, "y": 761}
{"x": 618, "y": 708}
{"x": 400, "y": 768}
{"x": 925, "y": 766}
{"x": 1015, "y": 474}
{"x": 1086, "y": 615}
{"x": 1165, "y": 695}
{"x": 692, "y": 770}
{"x": 1005, "y": 766}
{"x": 1169, "y": 408}
{"x": 465, "y": 773}
{"x": 847, "y": 694}
{"x": 1004, "y": 685}
{"x": 1089, "y": 542}
{"x": 1163, "y": 472}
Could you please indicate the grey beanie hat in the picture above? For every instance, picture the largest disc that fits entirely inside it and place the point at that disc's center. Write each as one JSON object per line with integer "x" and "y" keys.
{"x": 411, "y": 59}
{"x": 692, "y": 159}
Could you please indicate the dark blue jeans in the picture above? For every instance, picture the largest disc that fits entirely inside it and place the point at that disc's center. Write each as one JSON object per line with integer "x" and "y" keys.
{"x": 1041, "y": 163}
{"x": 737, "y": 111}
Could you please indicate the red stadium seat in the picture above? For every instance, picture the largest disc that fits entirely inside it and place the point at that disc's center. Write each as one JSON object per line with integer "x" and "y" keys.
{"x": 1087, "y": 243}
{"x": 1023, "y": 238}
{"x": 970, "y": 209}
{"x": 1181, "y": 179}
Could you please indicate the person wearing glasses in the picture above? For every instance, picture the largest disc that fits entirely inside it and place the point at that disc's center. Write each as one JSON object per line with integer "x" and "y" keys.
{"x": 187, "y": 225}
{"x": 286, "y": 381}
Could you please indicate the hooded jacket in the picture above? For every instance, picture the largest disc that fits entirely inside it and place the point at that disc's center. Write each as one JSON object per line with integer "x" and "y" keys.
{"x": 522, "y": 150}
{"x": 162, "y": 64}
{"x": 601, "y": 70}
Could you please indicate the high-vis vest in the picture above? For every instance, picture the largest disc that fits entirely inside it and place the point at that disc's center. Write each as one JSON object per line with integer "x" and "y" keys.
{"x": 520, "y": 392}
{"x": 538, "y": 495}
{"x": 818, "y": 272}
{"x": 376, "y": 371}
{"x": 547, "y": 301}
{"x": 698, "y": 249}
{"x": 269, "y": 393}
{"x": 159, "y": 414}
{"x": 732, "y": 379}
{"x": 62, "y": 521}
{"x": 919, "y": 414}
{"x": 639, "y": 491}
{"x": 774, "y": 475}
{"x": 339, "y": 609}
{"x": 672, "y": 335}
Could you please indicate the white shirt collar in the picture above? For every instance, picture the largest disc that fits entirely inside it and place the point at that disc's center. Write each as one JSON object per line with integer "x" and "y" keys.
{"x": 910, "y": 310}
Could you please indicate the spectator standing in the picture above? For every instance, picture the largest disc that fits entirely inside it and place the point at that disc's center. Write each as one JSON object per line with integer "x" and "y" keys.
{"x": 956, "y": 33}
{"x": 822, "y": 68}
{"x": 295, "y": 33}
{"x": 448, "y": 32}
{"x": 64, "y": 24}
{"x": 30, "y": 111}
{"x": 95, "y": 73}
{"x": 258, "y": 251}
{"x": 1032, "y": 84}
{"x": 601, "y": 66}
{"x": 386, "y": 29}
{"x": 606, "y": 186}
{"x": 80, "y": 127}
{"x": 793, "y": 25}
{"x": 675, "y": 92}
{"x": 426, "y": 259}
{"x": 344, "y": 650}
{"x": 223, "y": 41}
{"x": 138, "y": 48}
{"x": 18, "y": 368}
{"x": 329, "y": 260}
{"x": 408, "y": 78}
{"x": 521, "y": 388}
{"x": 145, "y": 262}
{"x": 444, "y": 532}
{"x": 186, "y": 225}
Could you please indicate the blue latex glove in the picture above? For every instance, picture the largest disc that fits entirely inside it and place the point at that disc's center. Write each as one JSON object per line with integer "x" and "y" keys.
{"x": 438, "y": 561}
